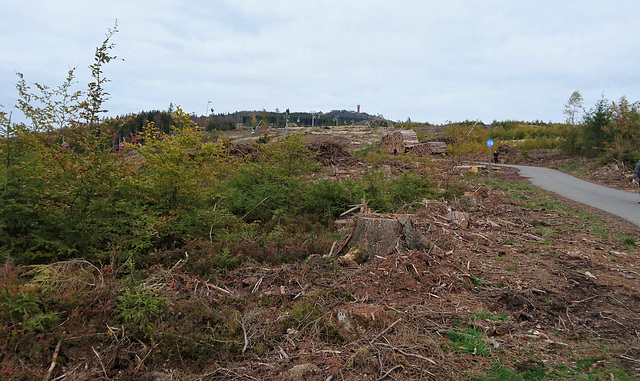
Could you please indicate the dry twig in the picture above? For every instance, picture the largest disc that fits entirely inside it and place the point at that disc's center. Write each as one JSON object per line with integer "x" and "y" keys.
{"x": 218, "y": 288}
{"x": 385, "y": 330}
{"x": 100, "y": 360}
{"x": 409, "y": 354}
{"x": 54, "y": 359}
{"x": 257, "y": 205}
{"x": 629, "y": 359}
{"x": 389, "y": 372}
{"x": 607, "y": 317}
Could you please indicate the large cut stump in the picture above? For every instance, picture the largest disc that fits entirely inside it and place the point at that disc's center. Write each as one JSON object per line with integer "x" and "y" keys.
{"x": 376, "y": 235}
{"x": 379, "y": 235}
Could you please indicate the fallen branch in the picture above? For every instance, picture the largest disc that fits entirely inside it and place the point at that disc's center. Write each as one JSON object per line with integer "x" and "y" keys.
{"x": 100, "y": 360}
{"x": 409, "y": 354}
{"x": 629, "y": 359}
{"x": 352, "y": 209}
{"x": 331, "y": 251}
{"x": 282, "y": 353}
{"x": 65, "y": 375}
{"x": 385, "y": 330}
{"x": 219, "y": 289}
{"x": 607, "y": 317}
{"x": 251, "y": 210}
{"x": 481, "y": 236}
{"x": 344, "y": 243}
{"x": 529, "y": 235}
{"x": 389, "y": 372}
{"x": 54, "y": 359}
{"x": 257, "y": 285}
{"x": 587, "y": 299}
{"x": 244, "y": 333}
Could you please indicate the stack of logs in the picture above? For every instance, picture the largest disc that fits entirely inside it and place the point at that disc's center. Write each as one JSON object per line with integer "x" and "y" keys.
{"x": 406, "y": 141}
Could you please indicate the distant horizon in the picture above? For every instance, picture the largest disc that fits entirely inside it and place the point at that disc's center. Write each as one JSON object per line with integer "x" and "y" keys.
{"x": 427, "y": 61}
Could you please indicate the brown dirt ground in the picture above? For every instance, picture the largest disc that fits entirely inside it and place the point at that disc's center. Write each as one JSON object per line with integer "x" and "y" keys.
{"x": 557, "y": 272}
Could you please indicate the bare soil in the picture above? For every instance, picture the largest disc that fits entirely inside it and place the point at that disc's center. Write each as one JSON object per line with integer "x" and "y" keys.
{"x": 545, "y": 281}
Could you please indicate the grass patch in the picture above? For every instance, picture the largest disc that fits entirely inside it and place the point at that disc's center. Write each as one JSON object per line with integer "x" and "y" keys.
{"x": 478, "y": 282}
{"x": 469, "y": 341}
{"x": 598, "y": 230}
{"x": 587, "y": 369}
{"x": 486, "y": 315}
{"x": 569, "y": 165}
{"x": 628, "y": 241}
{"x": 499, "y": 372}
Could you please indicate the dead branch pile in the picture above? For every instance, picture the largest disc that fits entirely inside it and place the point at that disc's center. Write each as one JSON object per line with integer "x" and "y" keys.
{"x": 245, "y": 150}
{"x": 508, "y": 152}
{"x": 331, "y": 153}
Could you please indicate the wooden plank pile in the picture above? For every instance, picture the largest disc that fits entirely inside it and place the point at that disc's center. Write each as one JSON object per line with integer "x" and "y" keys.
{"x": 421, "y": 149}
{"x": 406, "y": 141}
{"x": 410, "y": 138}
{"x": 437, "y": 147}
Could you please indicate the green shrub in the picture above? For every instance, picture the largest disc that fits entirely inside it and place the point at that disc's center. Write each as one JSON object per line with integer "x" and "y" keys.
{"x": 538, "y": 143}
{"x": 256, "y": 193}
{"x": 139, "y": 309}
{"x": 408, "y": 189}
{"x": 376, "y": 192}
{"x": 327, "y": 199}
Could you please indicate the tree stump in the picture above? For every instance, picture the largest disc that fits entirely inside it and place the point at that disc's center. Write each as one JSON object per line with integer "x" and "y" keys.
{"x": 379, "y": 235}
{"x": 376, "y": 235}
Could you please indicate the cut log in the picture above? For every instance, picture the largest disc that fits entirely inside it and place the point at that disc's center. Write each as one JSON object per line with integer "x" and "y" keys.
{"x": 438, "y": 147}
{"x": 422, "y": 149}
{"x": 392, "y": 142}
{"x": 355, "y": 256}
{"x": 409, "y": 137}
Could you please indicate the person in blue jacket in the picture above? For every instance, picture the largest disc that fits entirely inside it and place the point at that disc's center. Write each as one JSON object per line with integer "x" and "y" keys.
{"x": 636, "y": 175}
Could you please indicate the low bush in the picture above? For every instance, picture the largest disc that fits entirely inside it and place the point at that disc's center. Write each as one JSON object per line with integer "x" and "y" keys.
{"x": 139, "y": 308}
{"x": 327, "y": 199}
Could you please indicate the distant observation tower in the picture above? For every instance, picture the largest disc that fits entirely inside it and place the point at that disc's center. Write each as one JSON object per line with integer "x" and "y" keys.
{"x": 358, "y": 109}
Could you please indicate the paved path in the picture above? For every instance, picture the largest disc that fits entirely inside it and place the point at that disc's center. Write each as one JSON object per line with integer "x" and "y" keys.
{"x": 620, "y": 203}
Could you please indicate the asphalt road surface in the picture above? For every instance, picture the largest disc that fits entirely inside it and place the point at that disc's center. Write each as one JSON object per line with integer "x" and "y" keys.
{"x": 620, "y": 203}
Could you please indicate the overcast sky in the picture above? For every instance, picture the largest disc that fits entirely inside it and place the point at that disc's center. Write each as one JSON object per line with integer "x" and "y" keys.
{"x": 431, "y": 61}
